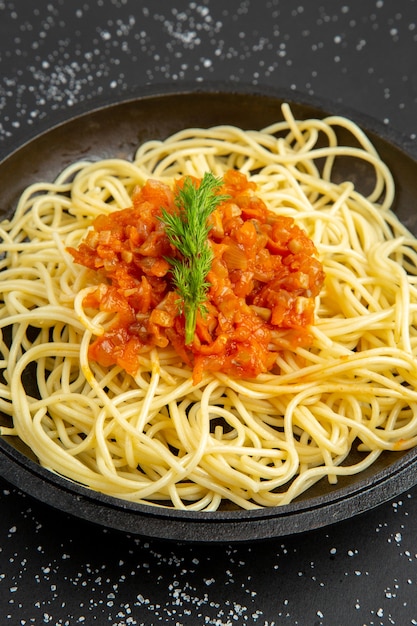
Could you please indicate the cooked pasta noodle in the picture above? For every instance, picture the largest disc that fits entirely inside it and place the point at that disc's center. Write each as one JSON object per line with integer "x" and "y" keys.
{"x": 156, "y": 437}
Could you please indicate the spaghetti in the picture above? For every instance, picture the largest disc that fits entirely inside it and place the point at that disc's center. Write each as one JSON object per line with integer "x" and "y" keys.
{"x": 158, "y": 436}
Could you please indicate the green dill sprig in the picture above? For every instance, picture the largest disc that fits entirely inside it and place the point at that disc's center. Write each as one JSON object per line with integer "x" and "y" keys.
{"x": 187, "y": 230}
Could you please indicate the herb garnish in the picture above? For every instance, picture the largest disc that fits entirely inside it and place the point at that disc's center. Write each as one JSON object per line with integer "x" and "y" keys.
{"x": 187, "y": 230}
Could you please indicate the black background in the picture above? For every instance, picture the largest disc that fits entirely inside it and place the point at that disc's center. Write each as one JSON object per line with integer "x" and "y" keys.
{"x": 58, "y": 58}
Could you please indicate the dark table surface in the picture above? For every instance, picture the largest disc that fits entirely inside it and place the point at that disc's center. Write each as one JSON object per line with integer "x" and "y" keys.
{"x": 57, "y": 58}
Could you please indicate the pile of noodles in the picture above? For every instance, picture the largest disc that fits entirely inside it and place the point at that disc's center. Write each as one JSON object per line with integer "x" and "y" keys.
{"x": 156, "y": 438}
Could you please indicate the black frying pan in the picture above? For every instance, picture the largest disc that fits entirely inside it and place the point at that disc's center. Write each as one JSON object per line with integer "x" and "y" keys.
{"x": 116, "y": 129}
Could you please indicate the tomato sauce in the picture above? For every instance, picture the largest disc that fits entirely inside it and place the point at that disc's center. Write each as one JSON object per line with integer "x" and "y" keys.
{"x": 263, "y": 281}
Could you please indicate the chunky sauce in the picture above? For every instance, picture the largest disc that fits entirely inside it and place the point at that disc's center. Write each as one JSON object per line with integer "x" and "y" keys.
{"x": 263, "y": 281}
